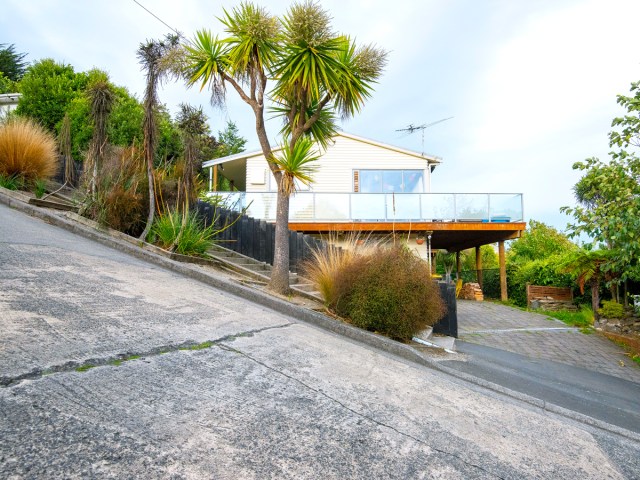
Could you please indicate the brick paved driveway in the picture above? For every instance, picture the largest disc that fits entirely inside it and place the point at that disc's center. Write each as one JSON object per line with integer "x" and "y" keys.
{"x": 538, "y": 336}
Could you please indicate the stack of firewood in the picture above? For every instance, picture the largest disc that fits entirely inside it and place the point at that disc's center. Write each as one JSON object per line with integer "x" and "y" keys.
{"x": 471, "y": 291}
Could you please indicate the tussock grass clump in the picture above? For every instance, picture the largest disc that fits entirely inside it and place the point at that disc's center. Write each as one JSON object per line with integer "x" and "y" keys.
{"x": 195, "y": 238}
{"x": 383, "y": 289}
{"x": 27, "y": 150}
{"x": 12, "y": 182}
{"x": 325, "y": 263}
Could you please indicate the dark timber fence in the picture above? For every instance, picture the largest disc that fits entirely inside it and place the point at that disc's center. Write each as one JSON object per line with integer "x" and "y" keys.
{"x": 256, "y": 238}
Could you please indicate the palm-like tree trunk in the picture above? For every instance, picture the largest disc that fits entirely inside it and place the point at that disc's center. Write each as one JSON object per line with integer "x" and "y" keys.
{"x": 280, "y": 273}
{"x": 595, "y": 298}
{"x": 149, "y": 129}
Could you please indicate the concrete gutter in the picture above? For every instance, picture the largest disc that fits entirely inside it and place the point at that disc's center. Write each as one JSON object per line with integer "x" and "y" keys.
{"x": 124, "y": 243}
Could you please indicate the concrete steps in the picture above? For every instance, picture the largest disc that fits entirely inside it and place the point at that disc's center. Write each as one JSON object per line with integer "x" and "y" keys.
{"x": 55, "y": 203}
{"x": 261, "y": 271}
{"x": 426, "y": 337}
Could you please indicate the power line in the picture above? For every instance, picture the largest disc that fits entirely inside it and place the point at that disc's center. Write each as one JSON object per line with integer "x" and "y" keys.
{"x": 158, "y": 18}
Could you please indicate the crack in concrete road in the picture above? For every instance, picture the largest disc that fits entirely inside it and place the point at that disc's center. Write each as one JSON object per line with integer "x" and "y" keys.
{"x": 355, "y": 412}
{"x": 130, "y": 355}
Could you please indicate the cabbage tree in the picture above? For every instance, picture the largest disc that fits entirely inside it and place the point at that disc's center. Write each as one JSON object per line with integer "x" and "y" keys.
{"x": 316, "y": 74}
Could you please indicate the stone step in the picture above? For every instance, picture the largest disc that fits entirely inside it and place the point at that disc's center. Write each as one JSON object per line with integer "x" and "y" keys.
{"x": 247, "y": 263}
{"x": 55, "y": 204}
{"x": 223, "y": 253}
{"x": 307, "y": 287}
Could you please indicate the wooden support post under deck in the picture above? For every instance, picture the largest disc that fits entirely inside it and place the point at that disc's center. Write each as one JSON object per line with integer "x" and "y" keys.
{"x": 215, "y": 178}
{"x": 503, "y": 272}
{"x": 458, "y": 269}
{"x": 479, "y": 266}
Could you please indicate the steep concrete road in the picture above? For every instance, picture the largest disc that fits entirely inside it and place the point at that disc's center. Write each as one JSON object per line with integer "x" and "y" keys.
{"x": 225, "y": 388}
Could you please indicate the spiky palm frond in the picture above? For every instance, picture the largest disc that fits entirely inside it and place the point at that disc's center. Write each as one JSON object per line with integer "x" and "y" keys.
{"x": 253, "y": 41}
{"x": 306, "y": 73}
{"x": 587, "y": 265}
{"x": 321, "y": 131}
{"x": 206, "y": 60}
{"x": 295, "y": 164}
{"x": 316, "y": 65}
{"x": 361, "y": 67}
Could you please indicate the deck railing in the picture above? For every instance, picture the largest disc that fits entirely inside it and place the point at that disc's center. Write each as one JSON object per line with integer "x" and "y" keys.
{"x": 381, "y": 207}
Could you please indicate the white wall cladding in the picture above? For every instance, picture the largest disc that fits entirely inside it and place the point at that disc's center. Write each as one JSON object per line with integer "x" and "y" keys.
{"x": 336, "y": 166}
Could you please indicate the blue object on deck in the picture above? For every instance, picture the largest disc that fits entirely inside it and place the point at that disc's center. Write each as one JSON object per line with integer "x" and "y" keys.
{"x": 497, "y": 218}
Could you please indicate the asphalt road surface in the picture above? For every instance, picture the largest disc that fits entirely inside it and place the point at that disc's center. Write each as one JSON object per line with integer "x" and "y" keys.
{"x": 611, "y": 399}
{"x": 218, "y": 387}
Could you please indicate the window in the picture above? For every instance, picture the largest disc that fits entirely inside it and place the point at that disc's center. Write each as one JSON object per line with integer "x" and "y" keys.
{"x": 388, "y": 181}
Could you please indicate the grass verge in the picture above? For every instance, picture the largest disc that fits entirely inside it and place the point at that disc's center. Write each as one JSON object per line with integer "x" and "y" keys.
{"x": 583, "y": 318}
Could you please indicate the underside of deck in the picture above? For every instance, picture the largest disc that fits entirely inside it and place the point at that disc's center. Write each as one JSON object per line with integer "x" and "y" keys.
{"x": 452, "y": 236}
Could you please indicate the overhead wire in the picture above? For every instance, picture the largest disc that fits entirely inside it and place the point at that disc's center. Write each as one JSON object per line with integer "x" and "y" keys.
{"x": 158, "y": 18}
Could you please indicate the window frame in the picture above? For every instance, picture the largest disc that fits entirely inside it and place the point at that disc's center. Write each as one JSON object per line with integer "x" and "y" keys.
{"x": 356, "y": 179}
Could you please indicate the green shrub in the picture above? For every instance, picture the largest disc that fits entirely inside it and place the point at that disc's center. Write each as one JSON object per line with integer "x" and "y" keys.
{"x": 582, "y": 318}
{"x": 195, "y": 239}
{"x": 39, "y": 188}
{"x": 611, "y": 309}
{"x": 387, "y": 291}
{"x": 536, "y": 272}
{"x": 27, "y": 150}
{"x": 12, "y": 182}
{"x": 47, "y": 90}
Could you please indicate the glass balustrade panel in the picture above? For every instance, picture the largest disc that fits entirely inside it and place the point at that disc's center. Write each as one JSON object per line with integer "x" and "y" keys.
{"x": 301, "y": 207}
{"x": 472, "y": 207}
{"x": 368, "y": 207}
{"x": 438, "y": 207}
{"x": 403, "y": 206}
{"x": 506, "y": 207}
{"x": 332, "y": 206}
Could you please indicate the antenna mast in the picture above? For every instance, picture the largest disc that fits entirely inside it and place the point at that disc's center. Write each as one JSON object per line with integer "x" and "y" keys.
{"x": 412, "y": 128}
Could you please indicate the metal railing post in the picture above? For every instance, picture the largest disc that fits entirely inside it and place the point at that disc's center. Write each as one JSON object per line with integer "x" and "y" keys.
{"x": 455, "y": 208}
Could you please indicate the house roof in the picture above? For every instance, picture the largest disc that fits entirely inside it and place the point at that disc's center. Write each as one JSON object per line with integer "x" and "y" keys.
{"x": 10, "y": 98}
{"x": 431, "y": 159}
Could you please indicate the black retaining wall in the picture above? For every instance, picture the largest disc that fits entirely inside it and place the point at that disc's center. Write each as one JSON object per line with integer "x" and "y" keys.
{"x": 256, "y": 238}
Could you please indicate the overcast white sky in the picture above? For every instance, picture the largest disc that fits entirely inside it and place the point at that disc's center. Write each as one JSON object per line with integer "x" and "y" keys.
{"x": 531, "y": 84}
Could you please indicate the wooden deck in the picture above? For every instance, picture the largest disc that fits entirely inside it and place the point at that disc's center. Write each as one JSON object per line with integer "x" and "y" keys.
{"x": 453, "y": 236}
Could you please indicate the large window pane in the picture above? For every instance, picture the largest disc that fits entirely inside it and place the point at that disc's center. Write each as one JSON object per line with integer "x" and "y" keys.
{"x": 392, "y": 181}
{"x": 413, "y": 181}
{"x": 370, "y": 181}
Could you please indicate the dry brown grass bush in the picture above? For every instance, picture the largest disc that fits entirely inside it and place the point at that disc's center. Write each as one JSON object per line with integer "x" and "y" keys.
{"x": 325, "y": 263}
{"x": 382, "y": 289}
{"x": 27, "y": 150}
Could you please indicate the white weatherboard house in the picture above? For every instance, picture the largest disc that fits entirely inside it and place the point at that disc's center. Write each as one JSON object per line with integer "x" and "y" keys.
{"x": 8, "y": 102}
{"x": 350, "y": 164}
{"x": 366, "y": 186}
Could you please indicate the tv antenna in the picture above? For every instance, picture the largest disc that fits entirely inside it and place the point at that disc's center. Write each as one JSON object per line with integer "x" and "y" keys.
{"x": 413, "y": 128}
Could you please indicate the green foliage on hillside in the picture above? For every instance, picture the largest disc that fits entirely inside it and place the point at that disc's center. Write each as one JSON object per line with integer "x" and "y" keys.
{"x": 12, "y": 64}
{"x": 608, "y": 194}
{"x": 47, "y": 90}
{"x": 534, "y": 258}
